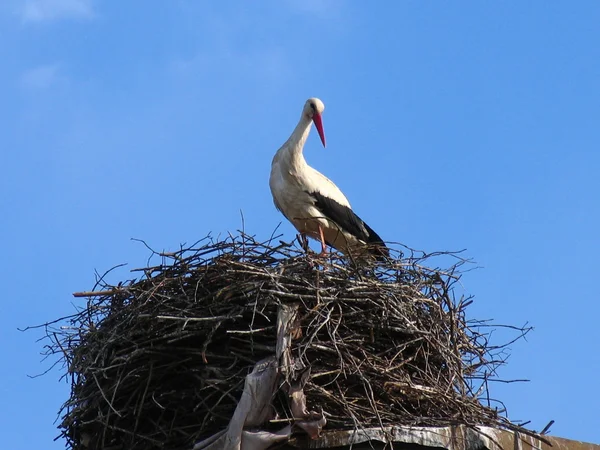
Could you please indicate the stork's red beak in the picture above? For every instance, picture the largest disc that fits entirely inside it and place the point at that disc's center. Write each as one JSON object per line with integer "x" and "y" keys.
{"x": 319, "y": 124}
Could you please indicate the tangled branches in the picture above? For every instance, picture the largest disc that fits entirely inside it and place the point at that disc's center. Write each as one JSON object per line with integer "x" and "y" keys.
{"x": 160, "y": 362}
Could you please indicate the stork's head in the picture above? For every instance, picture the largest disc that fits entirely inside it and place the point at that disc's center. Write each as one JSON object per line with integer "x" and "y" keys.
{"x": 313, "y": 109}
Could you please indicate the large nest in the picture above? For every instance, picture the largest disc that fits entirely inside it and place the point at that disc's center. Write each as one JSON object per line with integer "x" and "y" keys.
{"x": 160, "y": 362}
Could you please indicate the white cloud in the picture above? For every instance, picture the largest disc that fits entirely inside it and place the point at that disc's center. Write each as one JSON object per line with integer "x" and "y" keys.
{"x": 46, "y": 10}
{"x": 41, "y": 77}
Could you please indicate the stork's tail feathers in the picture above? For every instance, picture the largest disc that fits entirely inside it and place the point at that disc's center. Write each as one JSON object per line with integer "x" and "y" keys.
{"x": 376, "y": 245}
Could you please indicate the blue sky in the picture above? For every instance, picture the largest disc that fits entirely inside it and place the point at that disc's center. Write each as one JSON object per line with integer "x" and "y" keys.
{"x": 449, "y": 125}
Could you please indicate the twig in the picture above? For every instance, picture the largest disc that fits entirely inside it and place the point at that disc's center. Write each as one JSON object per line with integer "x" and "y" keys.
{"x": 106, "y": 293}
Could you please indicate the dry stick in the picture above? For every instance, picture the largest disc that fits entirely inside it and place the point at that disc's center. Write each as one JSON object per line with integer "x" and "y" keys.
{"x": 547, "y": 427}
{"x": 142, "y": 398}
{"x": 192, "y": 319}
{"x": 105, "y": 397}
{"x": 108, "y": 292}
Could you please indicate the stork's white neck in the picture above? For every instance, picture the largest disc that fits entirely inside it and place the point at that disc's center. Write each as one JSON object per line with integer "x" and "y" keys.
{"x": 291, "y": 151}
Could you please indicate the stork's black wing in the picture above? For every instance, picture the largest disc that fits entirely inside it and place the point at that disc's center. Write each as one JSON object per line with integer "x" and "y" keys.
{"x": 347, "y": 220}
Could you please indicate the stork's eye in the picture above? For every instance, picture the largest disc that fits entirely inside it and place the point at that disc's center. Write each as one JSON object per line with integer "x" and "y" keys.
{"x": 312, "y": 105}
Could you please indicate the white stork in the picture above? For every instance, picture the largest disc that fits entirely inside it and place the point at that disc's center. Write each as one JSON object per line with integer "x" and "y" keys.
{"x": 308, "y": 199}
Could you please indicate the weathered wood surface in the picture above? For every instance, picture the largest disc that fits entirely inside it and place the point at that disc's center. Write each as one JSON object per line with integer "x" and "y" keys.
{"x": 459, "y": 437}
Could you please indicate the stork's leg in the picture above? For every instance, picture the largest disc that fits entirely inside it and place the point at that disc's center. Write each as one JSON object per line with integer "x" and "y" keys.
{"x": 323, "y": 244}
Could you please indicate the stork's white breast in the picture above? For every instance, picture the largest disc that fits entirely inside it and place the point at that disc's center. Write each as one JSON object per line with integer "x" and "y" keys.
{"x": 291, "y": 190}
